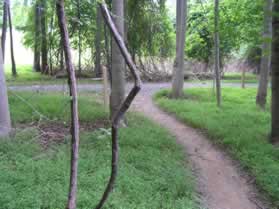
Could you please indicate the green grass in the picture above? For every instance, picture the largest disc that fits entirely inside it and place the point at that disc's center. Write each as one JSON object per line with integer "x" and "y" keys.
{"x": 240, "y": 126}
{"x": 31, "y": 106}
{"x": 236, "y": 78}
{"x": 26, "y": 76}
{"x": 152, "y": 174}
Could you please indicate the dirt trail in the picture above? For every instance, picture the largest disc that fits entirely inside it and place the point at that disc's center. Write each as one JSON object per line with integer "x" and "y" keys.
{"x": 219, "y": 181}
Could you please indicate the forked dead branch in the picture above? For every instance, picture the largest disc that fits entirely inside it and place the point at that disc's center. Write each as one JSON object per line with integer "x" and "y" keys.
{"x": 126, "y": 104}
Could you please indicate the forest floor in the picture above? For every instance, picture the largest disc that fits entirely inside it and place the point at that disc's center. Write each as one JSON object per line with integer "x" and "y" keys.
{"x": 220, "y": 181}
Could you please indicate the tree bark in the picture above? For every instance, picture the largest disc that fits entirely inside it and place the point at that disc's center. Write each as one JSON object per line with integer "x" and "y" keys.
{"x": 118, "y": 38}
{"x": 37, "y": 51}
{"x": 79, "y": 37}
{"x": 14, "y": 73}
{"x": 71, "y": 204}
{"x": 5, "y": 120}
{"x": 266, "y": 55}
{"x": 178, "y": 74}
{"x": 118, "y": 65}
{"x": 44, "y": 47}
{"x": 98, "y": 43}
{"x": 275, "y": 75}
{"x": 4, "y": 27}
{"x": 217, "y": 53}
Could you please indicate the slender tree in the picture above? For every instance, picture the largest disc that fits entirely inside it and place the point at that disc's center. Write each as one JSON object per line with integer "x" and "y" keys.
{"x": 14, "y": 73}
{"x": 118, "y": 64}
{"x": 4, "y": 27}
{"x": 217, "y": 53}
{"x": 37, "y": 38}
{"x": 71, "y": 204}
{"x": 178, "y": 74}
{"x": 275, "y": 74}
{"x": 266, "y": 54}
{"x": 44, "y": 48}
{"x": 79, "y": 36}
{"x": 98, "y": 43}
{"x": 5, "y": 121}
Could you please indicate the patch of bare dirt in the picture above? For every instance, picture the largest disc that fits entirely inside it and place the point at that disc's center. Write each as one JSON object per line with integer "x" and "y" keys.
{"x": 221, "y": 184}
{"x": 55, "y": 133}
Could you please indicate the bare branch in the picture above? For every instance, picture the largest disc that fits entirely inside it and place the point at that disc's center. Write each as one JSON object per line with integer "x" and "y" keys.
{"x": 71, "y": 204}
{"x": 126, "y": 104}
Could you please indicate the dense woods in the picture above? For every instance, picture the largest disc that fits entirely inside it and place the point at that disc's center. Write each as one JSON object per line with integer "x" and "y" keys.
{"x": 181, "y": 45}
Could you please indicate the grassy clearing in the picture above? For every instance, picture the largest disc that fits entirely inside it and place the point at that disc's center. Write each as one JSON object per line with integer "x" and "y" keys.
{"x": 26, "y": 76}
{"x": 236, "y": 78}
{"x": 240, "y": 126}
{"x": 152, "y": 169}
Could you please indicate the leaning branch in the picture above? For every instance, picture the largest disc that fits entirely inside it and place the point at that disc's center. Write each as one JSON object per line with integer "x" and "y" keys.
{"x": 71, "y": 204}
{"x": 126, "y": 104}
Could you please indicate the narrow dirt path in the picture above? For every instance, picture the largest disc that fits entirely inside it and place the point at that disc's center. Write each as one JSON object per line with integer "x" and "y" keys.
{"x": 219, "y": 181}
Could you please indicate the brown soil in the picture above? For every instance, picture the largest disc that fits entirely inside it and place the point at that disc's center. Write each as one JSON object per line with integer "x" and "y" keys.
{"x": 220, "y": 182}
{"x": 53, "y": 133}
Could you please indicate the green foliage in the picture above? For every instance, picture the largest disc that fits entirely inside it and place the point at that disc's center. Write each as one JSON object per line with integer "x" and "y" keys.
{"x": 240, "y": 24}
{"x": 240, "y": 126}
{"x": 152, "y": 169}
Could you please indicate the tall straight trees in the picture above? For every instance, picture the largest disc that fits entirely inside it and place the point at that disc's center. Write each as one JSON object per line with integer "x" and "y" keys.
{"x": 37, "y": 35}
{"x": 14, "y": 73}
{"x": 275, "y": 74}
{"x": 266, "y": 54}
{"x": 217, "y": 53}
{"x": 118, "y": 64}
{"x": 178, "y": 71}
{"x": 98, "y": 43}
{"x": 5, "y": 121}
{"x": 4, "y": 27}
{"x": 44, "y": 48}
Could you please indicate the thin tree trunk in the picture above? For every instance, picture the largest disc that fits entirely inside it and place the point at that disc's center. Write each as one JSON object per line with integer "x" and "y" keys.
{"x": 79, "y": 37}
{"x": 51, "y": 38}
{"x": 37, "y": 38}
{"x": 44, "y": 38}
{"x": 14, "y": 73}
{"x": 178, "y": 74}
{"x": 217, "y": 53}
{"x": 108, "y": 51}
{"x": 275, "y": 75}
{"x": 71, "y": 204}
{"x": 118, "y": 38}
{"x": 61, "y": 55}
{"x": 243, "y": 78}
{"x": 266, "y": 55}
{"x": 118, "y": 65}
{"x": 4, "y": 27}
{"x": 5, "y": 120}
{"x": 98, "y": 43}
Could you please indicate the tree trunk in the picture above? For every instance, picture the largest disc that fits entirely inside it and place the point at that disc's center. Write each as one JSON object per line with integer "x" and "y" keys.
{"x": 4, "y": 27}
{"x": 178, "y": 74}
{"x": 79, "y": 36}
{"x": 118, "y": 38}
{"x": 266, "y": 55}
{"x": 118, "y": 65}
{"x": 275, "y": 75}
{"x": 37, "y": 38}
{"x": 217, "y": 53}
{"x": 44, "y": 48}
{"x": 5, "y": 120}
{"x": 98, "y": 43}
{"x": 71, "y": 204}
{"x": 14, "y": 73}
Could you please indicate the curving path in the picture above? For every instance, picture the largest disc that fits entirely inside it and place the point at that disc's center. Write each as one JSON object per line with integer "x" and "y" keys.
{"x": 220, "y": 183}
